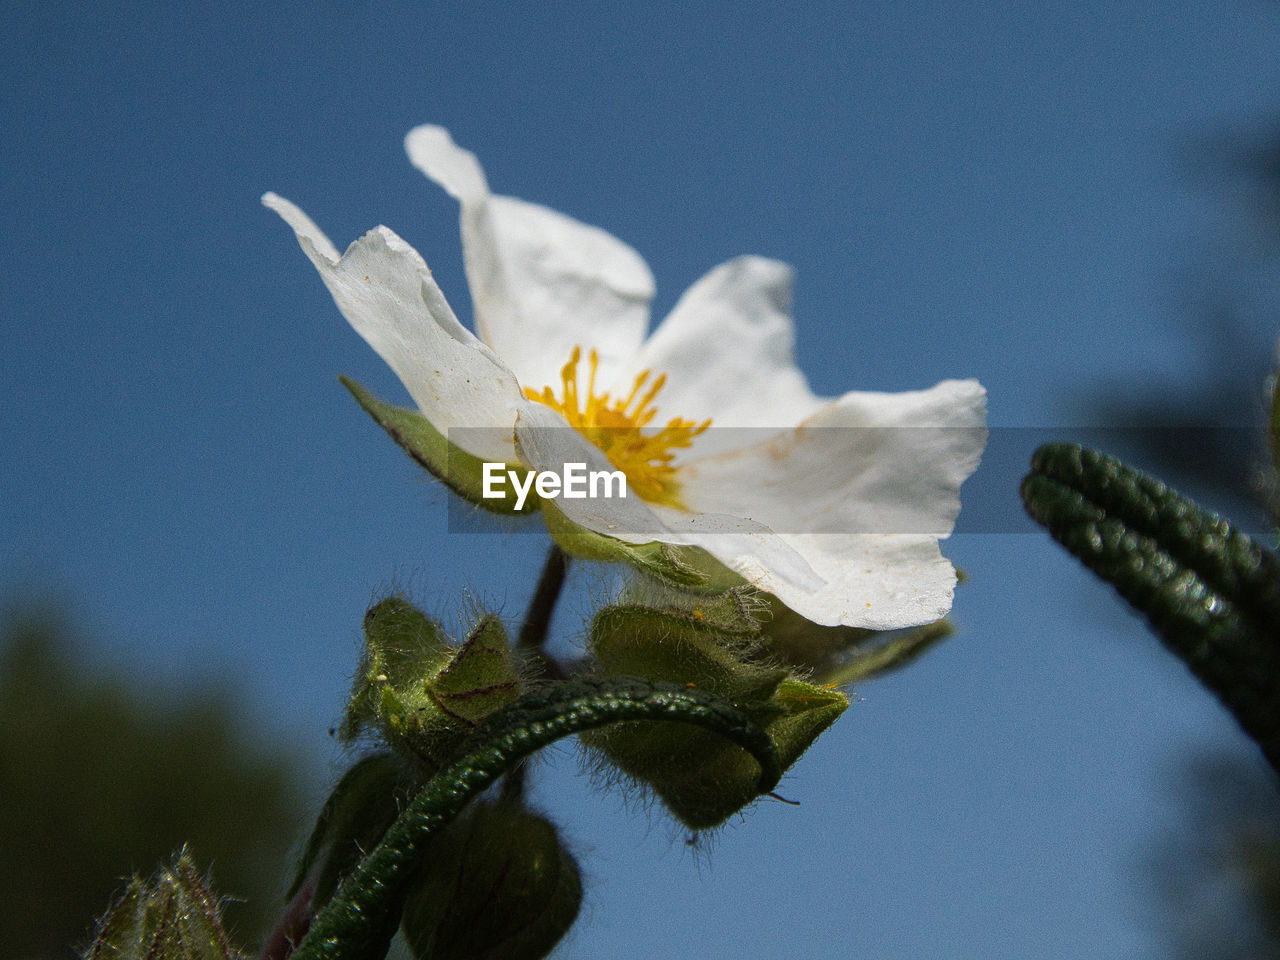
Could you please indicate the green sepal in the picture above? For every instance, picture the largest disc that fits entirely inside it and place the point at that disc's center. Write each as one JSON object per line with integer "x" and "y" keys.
{"x": 481, "y": 678}
{"x": 419, "y": 691}
{"x": 496, "y": 884}
{"x": 709, "y": 646}
{"x": 1211, "y": 593}
{"x": 460, "y": 471}
{"x": 403, "y": 648}
{"x": 357, "y": 813}
{"x": 739, "y": 609}
{"x": 174, "y": 916}
{"x": 668, "y": 562}
{"x": 802, "y": 712}
{"x": 842, "y": 655}
{"x": 881, "y": 653}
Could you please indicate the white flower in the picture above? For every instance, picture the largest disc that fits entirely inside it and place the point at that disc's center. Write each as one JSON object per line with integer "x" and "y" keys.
{"x": 835, "y": 506}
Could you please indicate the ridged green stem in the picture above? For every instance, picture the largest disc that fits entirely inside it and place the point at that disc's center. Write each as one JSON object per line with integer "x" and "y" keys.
{"x": 359, "y": 921}
{"x": 1211, "y": 593}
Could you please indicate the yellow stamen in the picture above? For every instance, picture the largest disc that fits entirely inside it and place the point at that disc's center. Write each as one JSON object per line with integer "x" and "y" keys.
{"x": 615, "y": 426}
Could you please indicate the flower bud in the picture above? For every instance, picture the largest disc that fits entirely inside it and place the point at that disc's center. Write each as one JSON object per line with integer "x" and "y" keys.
{"x": 497, "y": 884}
{"x": 172, "y": 917}
{"x": 711, "y": 644}
{"x": 422, "y": 693}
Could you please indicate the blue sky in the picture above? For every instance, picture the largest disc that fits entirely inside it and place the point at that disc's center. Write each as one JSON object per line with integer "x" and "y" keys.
{"x": 1039, "y": 195}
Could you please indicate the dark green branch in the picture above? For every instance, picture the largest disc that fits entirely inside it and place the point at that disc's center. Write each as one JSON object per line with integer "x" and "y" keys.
{"x": 361, "y": 918}
{"x": 1211, "y": 593}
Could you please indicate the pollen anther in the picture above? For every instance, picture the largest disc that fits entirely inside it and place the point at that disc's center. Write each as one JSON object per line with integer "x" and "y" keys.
{"x": 617, "y": 427}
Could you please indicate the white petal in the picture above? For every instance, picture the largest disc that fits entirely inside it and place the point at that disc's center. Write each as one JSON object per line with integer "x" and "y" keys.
{"x": 866, "y": 463}
{"x": 880, "y": 582}
{"x": 432, "y": 150}
{"x": 862, "y": 491}
{"x": 547, "y": 443}
{"x": 541, "y": 282}
{"x": 303, "y": 227}
{"x": 750, "y": 549}
{"x": 728, "y": 351}
{"x": 387, "y": 294}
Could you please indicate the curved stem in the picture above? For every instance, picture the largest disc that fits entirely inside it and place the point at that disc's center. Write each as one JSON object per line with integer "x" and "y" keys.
{"x": 361, "y": 917}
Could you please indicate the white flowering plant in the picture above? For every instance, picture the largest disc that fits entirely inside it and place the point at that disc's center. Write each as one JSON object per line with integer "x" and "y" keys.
{"x": 776, "y": 547}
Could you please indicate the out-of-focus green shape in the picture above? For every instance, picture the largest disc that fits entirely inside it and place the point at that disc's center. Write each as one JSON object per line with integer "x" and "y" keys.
{"x": 1211, "y": 593}
{"x": 173, "y": 916}
{"x": 497, "y": 884}
{"x": 1215, "y": 867}
{"x": 1273, "y": 422}
{"x": 365, "y": 802}
{"x": 104, "y": 774}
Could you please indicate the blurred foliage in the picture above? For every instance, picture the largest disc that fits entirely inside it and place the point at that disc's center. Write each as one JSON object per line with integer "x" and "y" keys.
{"x": 1227, "y": 317}
{"x": 1218, "y": 873}
{"x": 102, "y": 778}
{"x": 1219, "y": 870}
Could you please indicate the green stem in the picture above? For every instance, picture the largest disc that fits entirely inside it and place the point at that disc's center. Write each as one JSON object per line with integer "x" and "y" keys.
{"x": 360, "y": 919}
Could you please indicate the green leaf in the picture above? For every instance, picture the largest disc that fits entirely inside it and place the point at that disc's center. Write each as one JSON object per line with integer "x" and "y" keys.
{"x": 357, "y": 813}
{"x": 1211, "y": 593}
{"x": 430, "y": 449}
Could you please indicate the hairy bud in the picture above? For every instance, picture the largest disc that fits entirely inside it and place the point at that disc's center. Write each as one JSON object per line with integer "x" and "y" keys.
{"x": 711, "y": 644}
{"x": 174, "y": 916}
{"x": 422, "y": 693}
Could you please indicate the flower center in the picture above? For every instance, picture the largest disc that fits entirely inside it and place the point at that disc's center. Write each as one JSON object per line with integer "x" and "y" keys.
{"x": 617, "y": 427}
